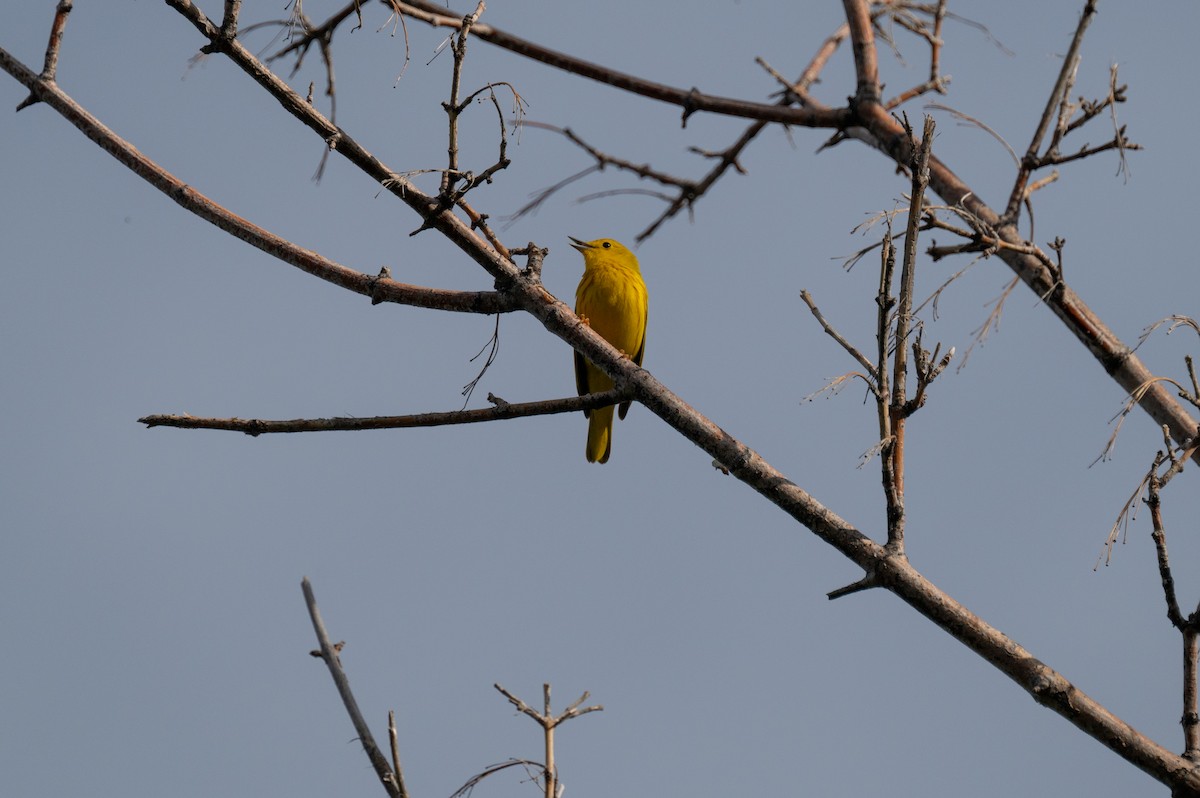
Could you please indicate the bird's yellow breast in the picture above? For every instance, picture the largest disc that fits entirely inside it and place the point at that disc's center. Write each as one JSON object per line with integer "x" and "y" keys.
{"x": 613, "y": 299}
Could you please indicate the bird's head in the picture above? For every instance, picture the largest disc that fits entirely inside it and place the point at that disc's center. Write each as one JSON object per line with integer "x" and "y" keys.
{"x": 604, "y": 249}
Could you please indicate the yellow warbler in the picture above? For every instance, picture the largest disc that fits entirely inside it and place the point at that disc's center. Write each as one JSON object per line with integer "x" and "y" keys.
{"x": 612, "y": 298}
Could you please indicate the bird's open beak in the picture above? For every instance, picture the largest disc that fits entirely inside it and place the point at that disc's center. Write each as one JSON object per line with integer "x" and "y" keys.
{"x": 579, "y": 245}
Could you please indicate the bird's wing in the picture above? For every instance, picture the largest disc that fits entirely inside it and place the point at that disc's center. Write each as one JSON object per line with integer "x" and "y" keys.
{"x": 637, "y": 358}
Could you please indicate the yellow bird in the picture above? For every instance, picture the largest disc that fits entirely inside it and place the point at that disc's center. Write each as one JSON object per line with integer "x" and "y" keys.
{"x": 612, "y": 299}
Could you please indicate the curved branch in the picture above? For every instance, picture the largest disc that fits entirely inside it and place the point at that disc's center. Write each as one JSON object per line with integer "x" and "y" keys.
{"x": 379, "y": 288}
{"x": 690, "y": 100}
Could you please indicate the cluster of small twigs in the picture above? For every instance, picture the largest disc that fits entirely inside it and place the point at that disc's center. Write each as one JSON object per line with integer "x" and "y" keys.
{"x": 456, "y": 183}
{"x": 1175, "y": 455}
{"x": 551, "y": 785}
{"x": 924, "y": 20}
{"x": 1188, "y": 393}
{"x": 887, "y": 375}
{"x": 1168, "y": 463}
{"x": 390, "y": 774}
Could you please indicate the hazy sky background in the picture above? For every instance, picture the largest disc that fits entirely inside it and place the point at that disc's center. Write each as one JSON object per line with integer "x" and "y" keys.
{"x": 157, "y": 638}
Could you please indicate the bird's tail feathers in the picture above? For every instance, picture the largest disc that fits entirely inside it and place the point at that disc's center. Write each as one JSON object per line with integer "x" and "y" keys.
{"x": 599, "y": 441}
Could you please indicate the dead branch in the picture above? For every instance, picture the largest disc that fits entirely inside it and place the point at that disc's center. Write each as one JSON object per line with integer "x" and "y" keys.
{"x": 454, "y": 107}
{"x": 387, "y": 777}
{"x": 394, "y": 742}
{"x": 501, "y": 410}
{"x": 833, "y": 333}
{"x": 1189, "y": 627}
{"x": 548, "y": 721}
{"x": 1057, "y": 100}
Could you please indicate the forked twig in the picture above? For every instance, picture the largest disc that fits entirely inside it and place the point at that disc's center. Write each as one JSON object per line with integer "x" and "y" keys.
{"x": 50, "y": 64}
{"x": 548, "y": 721}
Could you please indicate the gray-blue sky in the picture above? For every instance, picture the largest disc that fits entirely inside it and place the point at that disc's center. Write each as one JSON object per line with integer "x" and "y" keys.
{"x": 150, "y": 579}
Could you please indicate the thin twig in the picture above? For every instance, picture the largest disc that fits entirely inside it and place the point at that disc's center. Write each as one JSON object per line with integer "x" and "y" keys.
{"x": 1187, "y": 626}
{"x": 1058, "y": 97}
{"x": 833, "y": 333}
{"x": 393, "y": 739}
{"x": 885, "y": 303}
{"x": 454, "y": 108}
{"x": 1131, "y": 401}
{"x": 972, "y": 121}
{"x": 491, "y": 770}
{"x": 992, "y": 322}
{"x": 1154, "y": 502}
{"x": 602, "y": 161}
{"x": 899, "y": 410}
{"x": 492, "y": 347}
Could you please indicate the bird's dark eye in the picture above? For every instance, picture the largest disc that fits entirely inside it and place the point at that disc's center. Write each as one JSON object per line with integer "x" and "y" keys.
{"x": 606, "y": 244}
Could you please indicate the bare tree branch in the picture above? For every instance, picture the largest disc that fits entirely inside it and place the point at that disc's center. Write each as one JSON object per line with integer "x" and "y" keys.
{"x": 501, "y": 411}
{"x": 691, "y": 101}
{"x": 379, "y": 288}
{"x": 549, "y": 722}
{"x": 387, "y": 777}
{"x": 1056, "y": 102}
